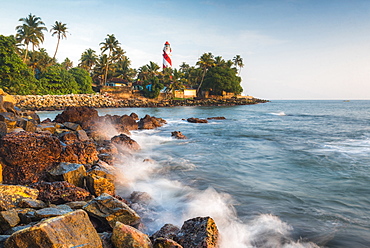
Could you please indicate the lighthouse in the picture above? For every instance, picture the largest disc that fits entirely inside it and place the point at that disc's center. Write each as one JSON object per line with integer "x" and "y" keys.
{"x": 166, "y": 55}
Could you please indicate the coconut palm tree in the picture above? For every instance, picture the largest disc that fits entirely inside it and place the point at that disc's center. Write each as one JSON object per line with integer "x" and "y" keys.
{"x": 111, "y": 44}
{"x": 60, "y": 30}
{"x": 31, "y": 31}
{"x": 238, "y": 62}
{"x": 67, "y": 64}
{"x": 205, "y": 62}
{"x": 88, "y": 60}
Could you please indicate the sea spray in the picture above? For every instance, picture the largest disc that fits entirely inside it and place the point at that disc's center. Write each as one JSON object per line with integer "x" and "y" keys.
{"x": 174, "y": 202}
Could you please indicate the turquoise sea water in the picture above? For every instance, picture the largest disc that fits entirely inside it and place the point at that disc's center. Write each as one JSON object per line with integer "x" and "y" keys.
{"x": 279, "y": 174}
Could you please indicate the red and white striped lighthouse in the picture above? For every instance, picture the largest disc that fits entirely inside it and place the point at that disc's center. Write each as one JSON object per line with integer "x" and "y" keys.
{"x": 166, "y": 55}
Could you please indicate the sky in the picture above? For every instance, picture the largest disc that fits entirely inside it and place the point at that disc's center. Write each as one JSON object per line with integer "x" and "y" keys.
{"x": 291, "y": 49}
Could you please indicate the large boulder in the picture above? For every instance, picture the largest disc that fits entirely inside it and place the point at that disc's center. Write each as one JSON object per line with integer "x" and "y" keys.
{"x": 28, "y": 156}
{"x": 200, "y": 232}
{"x": 165, "y": 243}
{"x": 98, "y": 185}
{"x": 178, "y": 135}
{"x": 125, "y": 236}
{"x": 128, "y": 122}
{"x": 80, "y": 115}
{"x": 61, "y": 192}
{"x": 124, "y": 143}
{"x": 168, "y": 231}
{"x": 70, "y": 230}
{"x": 150, "y": 122}
{"x": 108, "y": 210}
{"x": 12, "y": 195}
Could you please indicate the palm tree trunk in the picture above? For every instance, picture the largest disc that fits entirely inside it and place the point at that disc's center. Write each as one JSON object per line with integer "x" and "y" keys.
{"x": 201, "y": 82}
{"x": 25, "y": 55}
{"x": 56, "y": 50}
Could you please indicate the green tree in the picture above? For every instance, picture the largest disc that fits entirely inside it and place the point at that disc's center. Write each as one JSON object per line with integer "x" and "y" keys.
{"x": 153, "y": 89}
{"x": 38, "y": 61}
{"x": 83, "y": 79}
{"x": 31, "y": 31}
{"x": 58, "y": 81}
{"x": 220, "y": 79}
{"x": 15, "y": 76}
{"x": 88, "y": 60}
{"x": 238, "y": 62}
{"x": 111, "y": 44}
{"x": 205, "y": 62}
{"x": 59, "y": 29}
{"x": 122, "y": 70}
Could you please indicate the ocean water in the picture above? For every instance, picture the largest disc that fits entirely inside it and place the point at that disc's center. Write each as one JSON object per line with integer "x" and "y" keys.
{"x": 278, "y": 174}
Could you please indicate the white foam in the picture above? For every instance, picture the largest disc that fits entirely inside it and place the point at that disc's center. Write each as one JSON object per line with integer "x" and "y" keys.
{"x": 279, "y": 113}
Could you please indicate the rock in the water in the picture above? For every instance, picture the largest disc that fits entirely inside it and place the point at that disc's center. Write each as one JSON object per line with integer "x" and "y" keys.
{"x": 11, "y": 195}
{"x": 200, "y": 232}
{"x": 125, "y": 236}
{"x": 80, "y": 115}
{"x": 8, "y": 219}
{"x": 124, "y": 142}
{"x": 109, "y": 210}
{"x": 61, "y": 192}
{"x": 28, "y": 156}
{"x": 150, "y": 122}
{"x": 197, "y": 120}
{"x": 216, "y": 118}
{"x": 70, "y": 230}
{"x": 178, "y": 135}
{"x": 70, "y": 172}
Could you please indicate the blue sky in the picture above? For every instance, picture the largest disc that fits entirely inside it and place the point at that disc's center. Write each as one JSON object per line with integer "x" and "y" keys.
{"x": 292, "y": 49}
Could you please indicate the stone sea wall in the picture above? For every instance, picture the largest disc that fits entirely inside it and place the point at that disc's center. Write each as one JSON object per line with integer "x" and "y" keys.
{"x": 60, "y": 102}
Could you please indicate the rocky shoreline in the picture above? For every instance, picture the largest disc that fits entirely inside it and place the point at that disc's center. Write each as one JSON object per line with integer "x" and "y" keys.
{"x": 57, "y": 184}
{"x": 61, "y": 102}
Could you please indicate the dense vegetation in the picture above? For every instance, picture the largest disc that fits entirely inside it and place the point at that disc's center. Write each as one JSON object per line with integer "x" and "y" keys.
{"x": 26, "y": 68}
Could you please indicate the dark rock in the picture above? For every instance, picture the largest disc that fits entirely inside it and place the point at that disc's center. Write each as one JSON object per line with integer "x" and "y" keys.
{"x": 80, "y": 152}
{"x": 26, "y": 215}
{"x": 106, "y": 239}
{"x": 197, "y": 120}
{"x": 8, "y": 219}
{"x": 149, "y": 122}
{"x": 28, "y": 156}
{"x": 124, "y": 143}
{"x": 128, "y": 122}
{"x": 126, "y": 236}
{"x": 70, "y": 230}
{"x": 109, "y": 210}
{"x": 81, "y": 135}
{"x": 3, "y": 128}
{"x": 70, "y": 172}
{"x": 11, "y": 195}
{"x": 60, "y": 192}
{"x": 142, "y": 198}
{"x": 9, "y": 107}
{"x": 168, "y": 231}
{"x": 80, "y": 115}
{"x": 47, "y": 120}
{"x": 216, "y": 118}
{"x": 200, "y": 232}
{"x": 52, "y": 211}
{"x": 178, "y": 135}
{"x": 31, "y": 203}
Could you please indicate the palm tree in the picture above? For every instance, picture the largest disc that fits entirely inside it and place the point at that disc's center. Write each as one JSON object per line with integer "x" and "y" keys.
{"x": 205, "y": 62}
{"x": 111, "y": 44}
{"x": 60, "y": 30}
{"x": 238, "y": 62}
{"x": 31, "y": 31}
{"x": 67, "y": 64}
{"x": 88, "y": 60}
{"x": 153, "y": 69}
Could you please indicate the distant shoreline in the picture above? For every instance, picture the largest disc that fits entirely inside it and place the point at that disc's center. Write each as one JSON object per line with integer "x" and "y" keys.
{"x": 61, "y": 102}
